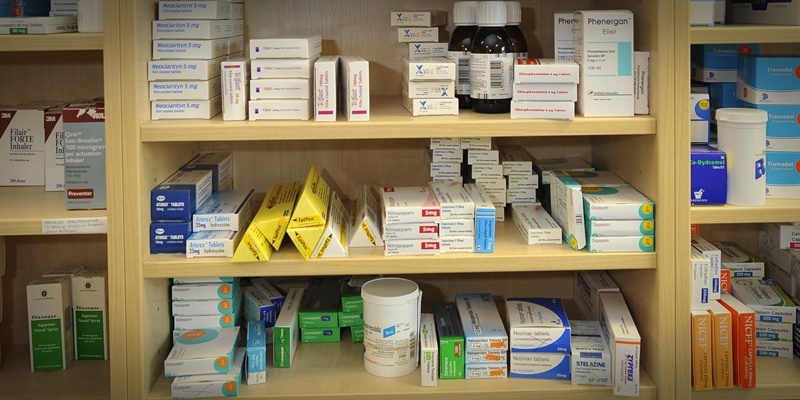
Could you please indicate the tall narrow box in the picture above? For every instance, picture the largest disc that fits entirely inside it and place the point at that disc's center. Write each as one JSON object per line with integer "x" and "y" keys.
{"x": 287, "y": 330}
{"x": 326, "y": 72}
{"x": 587, "y": 287}
{"x": 483, "y": 328}
{"x": 90, "y": 306}
{"x": 590, "y": 358}
{"x": 53, "y": 150}
{"x": 22, "y": 146}
{"x": 701, "y": 350}
{"x": 451, "y": 341}
{"x": 428, "y": 351}
{"x": 355, "y": 88}
{"x": 744, "y": 341}
{"x": 85, "y": 156}
{"x": 234, "y": 89}
{"x": 50, "y": 323}
{"x": 624, "y": 342}
{"x": 564, "y": 40}
{"x": 722, "y": 345}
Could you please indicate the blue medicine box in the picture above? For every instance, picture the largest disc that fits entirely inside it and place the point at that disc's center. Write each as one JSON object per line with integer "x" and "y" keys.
{"x": 177, "y": 198}
{"x": 709, "y": 175}
{"x": 718, "y": 62}
{"x": 769, "y": 79}
{"x": 256, "y": 364}
{"x": 219, "y": 163}
{"x": 723, "y": 95}
{"x": 169, "y": 237}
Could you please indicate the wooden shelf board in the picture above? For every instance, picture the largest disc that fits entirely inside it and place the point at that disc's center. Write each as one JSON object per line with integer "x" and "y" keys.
{"x": 741, "y": 33}
{"x": 775, "y": 210}
{"x": 82, "y": 380}
{"x": 335, "y": 370}
{"x": 22, "y": 210}
{"x": 776, "y": 378}
{"x": 55, "y": 42}
{"x": 390, "y": 121}
{"x": 511, "y": 255}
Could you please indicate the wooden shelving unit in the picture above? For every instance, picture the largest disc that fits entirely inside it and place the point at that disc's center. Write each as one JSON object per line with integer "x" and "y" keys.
{"x": 32, "y": 205}
{"x": 776, "y": 210}
{"x": 54, "y": 42}
{"x": 740, "y": 33}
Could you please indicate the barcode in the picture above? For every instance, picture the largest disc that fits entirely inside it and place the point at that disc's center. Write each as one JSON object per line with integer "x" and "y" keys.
{"x": 496, "y": 74}
{"x": 463, "y": 70}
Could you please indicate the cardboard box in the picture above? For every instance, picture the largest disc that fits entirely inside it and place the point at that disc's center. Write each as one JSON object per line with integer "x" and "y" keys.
{"x": 457, "y": 244}
{"x": 718, "y": 62}
{"x": 485, "y": 370}
{"x": 641, "y": 82}
{"x": 535, "y": 225}
{"x": 90, "y": 307}
{"x": 722, "y": 345}
{"x": 601, "y": 244}
{"x": 566, "y": 206}
{"x": 321, "y": 335}
{"x": 428, "y": 351}
{"x": 590, "y": 360}
{"x": 22, "y": 139}
{"x": 213, "y": 385}
{"x": 783, "y": 129}
{"x": 452, "y": 143}
{"x": 284, "y": 68}
{"x": 421, "y": 107}
{"x": 417, "y": 34}
{"x": 207, "y": 307}
{"x": 542, "y": 110}
{"x": 38, "y": 25}
{"x": 539, "y": 70}
{"x": 196, "y": 70}
{"x": 620, "y": 227}
{"x": 320, "y": 304}
{"x": 280, "y": 88}
{"x": 768, "y": 80}
{"x": 740, "y": 262}
{"x": 219, "y": 163}
{"x": 428, "y": 69}
{"x": 283, "y": 109}
{"x": 411, "y": 231}
{"x": 204, "y": 49}
{"x": 523, "y": 181}
{"x": 85, "y": 156}
{"x": 366, "y": 224}
{"x": 545, "y": 92}
{"x": 409, "y": 204}
{"x": 483, "y": 328}
{"x": 225, "y": 210}
{"x": 445, "y": 169}
{"x": 775, "y": 348}
{"x": 258, "y": 307}
{"x": 193, "y": 29}
{"x": 486, "y": 356}
{"x": 587, "y": 286}
{"x": 545, "y": 166}
{"x": 350, "y": 319}
{"x": 207, "y": 9}
{"x": 537, "y": 325}
{"x": 50, "y": 325}
{"x": 53, "y": 150}
{"x": 766, "y": 299}
{"x": 540, "y": 365}
{"x": 185, "y": 109}
{"x": 427, "y": 49}
{"x": 234, "y": 89}
{"x": 351, "y": 295}
{"x": 485, "y": 219}
{"x": 334, "y": 238}
{"x": 205, "y": 291}
{"x": 563, "y": 40}
{"x": 270, "y": 292}
{"x": 446, "y": 155}
{"x": 269, "y": 225}
{"x": 702, "y": 12}
{"x": 773, "y": 331}
{"x": 300, "y": 47}
{"x": 354, "y": 89}
{"x": 486, "y": 171}
{"x": 287, "y": 331}
{"x": 701, "y": 280}
{"x": 189, "y": 322}
{"x": 213, "y": 243}
{"x": 624, "y": 343}
{"x": 202, "y": 351}
{"x": 454, "y": 201}
{"x": 312, "y": 206}
{"x": 410, "y": 247}
{"x": 418, "y": 18}
{"x": 516, "y": 161}
{"x": 751, "y": 12}
{"x": 357, "y": 334}
{"x": 709, "y": 176}
{"x": 457, "y": 227}
{"x": 204, "y": 279}
{"x": 169, "y": 237}
{"x": 714, "y": 255}
{"x": 783, "y": 178}
{"x": 702, "y": 339}
{"x": 622, "y": 202}
{"x": 744, "y": 349}
{"x": 451, "y": 341}
{"x": 326, "y": 73}
{"x": 700, "y": 115}
{"x": 480, "y": 142}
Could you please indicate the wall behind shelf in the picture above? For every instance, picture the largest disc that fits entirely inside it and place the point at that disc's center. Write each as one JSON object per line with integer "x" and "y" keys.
{"x": 54, "y": 76}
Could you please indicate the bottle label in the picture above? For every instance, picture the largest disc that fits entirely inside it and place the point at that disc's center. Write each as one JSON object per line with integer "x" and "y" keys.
{"x": 521, "y": 55}
{"x": 491, "y": 76}
{"x": 461, "y": 58}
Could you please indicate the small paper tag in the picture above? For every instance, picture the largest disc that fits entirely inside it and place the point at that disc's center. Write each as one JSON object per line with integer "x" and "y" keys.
{"x": 74, "y": 226}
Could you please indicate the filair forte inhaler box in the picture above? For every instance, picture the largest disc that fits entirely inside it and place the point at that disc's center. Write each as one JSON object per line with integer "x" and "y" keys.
{"x": 22, "y": 146}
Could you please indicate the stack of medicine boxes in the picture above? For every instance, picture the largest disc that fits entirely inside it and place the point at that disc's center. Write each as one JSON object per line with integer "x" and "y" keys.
{"x": 771, "y": 83}
{"x": 351, "y": 308}
{"x": 544, "y": 89}
{"x": 457, "y": 221}
{"x": 485, "y": 337}
{"x": 429, "y": 86}
{"x": 319, "y": 311}
{"x": 539, "y": 337}
{"x": 781, "y": 267}
{"x": 280, "y": 73}
{"x": 445, "y": 159}
{"x": 521, "y": 182}
{"x": 219, "y": 224}
{"x": 618, "y": 219}
{"x": 61, "y": 8}
{"x": 411, "y": 218}
{"x": 262, "y": 302}
{"x": 200, "y": 37}
{"x": 416, "y": 27}
{"x": 775, "y": 314}
{"x": 203, "y": 303}
{"x": 481, "y": 165}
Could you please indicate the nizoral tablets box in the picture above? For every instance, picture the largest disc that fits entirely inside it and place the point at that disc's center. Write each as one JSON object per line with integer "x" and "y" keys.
{"x": 540, "y": 365}
{"x": 587, "y": 286}
{"x": 22, "y": 144}
{"x": 204, "y": 291}
{"x": 320, "y": 306}
{"x": 160, "y": 70}
{"x": 590, "y": 358}
{"x": 301, "y": 47}
{"x": 213, "y": 243}
{"x": 90, "y": 306}
{"x": 622, "y": 202}
{"x": 85, "y": 156}
{"x": 287, "y": 330}
{"x": 766, "y": 299}
{"x": 483, "y": 327}
{"x": 783, "y": 174}
{"x": 709, "y": 175}
{"x": 212, "y": 385}
{"x": 50, "y": 325}
{"x": 768, "y": 80}
{"x": 741, "y": 263}
{"x": 451, "y": 341}
{"x": 418, "y": 18}
{"x": 208, "y": 9}
{"x": 219, "y": 163}
{"x": 225, "y": 210}
{"x": 202, "y": 351}
{"x": 718, "y": 62}
{"x": 624, "y": 342}
{"x": 537, "y": 325}
{"x": 428, "y": 351}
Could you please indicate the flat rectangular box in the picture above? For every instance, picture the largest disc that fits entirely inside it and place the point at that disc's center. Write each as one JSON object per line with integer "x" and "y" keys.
{"x": 537, "y": 325}
{"x": 722, "y": 345}
{"x": 715, "y": 256}
{"x": 421, "y": 107}
{"x": 447, "y": 179}
{"x": 408, "y": 247}
{"x": 446, "y": 155}
{"x": 320, "y": 305}
{"x": 426, "y": 49}
{"x": 366, "y": 225}
{"x": 601, "y": 244}
{"x": 620, "y": 227}
{"x": 190, "y": 356}
{"x": 486, "y": 356}
{"x": 287, "y": 330}
{"x": 773, "y": 331}
{"x": 539, "y": 365}
{"x": 483, "y": 327}
{"x": 767, "y": 300}
{"x": 418, "y": 18}
{"x": 321, "y": 335}
{"x": 326, "y": 74}
{"x": 351, "y": 319}
{"x": 451, "y": 341}
{"x": 283, "y": 68}
{"x": 701, "y": 277}
{"x": 205, "y": 279}
{"x": 535, "y": 224}
{"x": 542, "y": 110}
{"x": 485, "y": 370}
{"x": 354, "y": 88}
{"x": 300, "y": 47}
{"x": 22, "y": 140}
{"x": 445, "y": 169}
{"x": 490, "y": 157}
{"x": 454, "y": 201}
{"x": 213, "y": 385}
{"x": 452, "y": 143}
{"x": 523, "y": 181}
{"x": 775, "y": 348}
{"x": 182, "y": 308}
{"x": 210, "y": 9}
{"x": 85, "y": 156}
{"x": 205, "y": 49}
{"x": 225, "y": 210}
{"x": 90, "y": 315}
{"x": 258, "y": 307}
{"x": 351, "y": 295}
{"x": 590, "y": 359}
{"x": 741, "y": 263}
{"x": 783, "y": 128}
{"x": 205, "y": 291}
{"x": 409, "y": 204}
{"x": 485, "y": 219}
{"x": 236, "y": 42}
{"x": 428, "y": 350}
{"x": 283, "y": 109}
{"x": 537, "y": 70}
{"x": 702, "y": 338}
{"x": 419, "y": 34}
{"x": 193, "y": 29}
{"x": 624, "y": 342}
{"x": 586, "y": 291}
{"x": 169, "y": 236}
{"x": 270, "y": 292}
{"x": 192, "y": 70}
{"x": 744, "y": 349}
{"x": 280, "y": 88}
{"x": 478, "y": 143}
{"x": 768, "y": 80}
{"x": 783, "y": 178}
{"x": 487, "y": 171}
{"x": 596, "y": 178}
{"x": 256, "y": 353}
{"x": 50, "y": 326}
{"x": 622, "y": 202}
{"x": 411, "y": 230}
{"x": 185, "y": 90}
{"x": 213, "y": 243}
{"x": 457, "y": 227}
{"x": 516, "y": 161}
{"x": 545, "y": 166}
{"x": 189, "y": 322}
{"x": 177, "y": 198}
{"x": 785, "y": 235}
{"x": 718, "y": 62}
{"x": 219, "y": 163}
{"x": 234, "y": 89}
{"x": 492, "y": 184}
{"x": 53, "y": 150}
{"x": 709, "y": 175}
{"x": 38, "y": 25}
{"x": 185, "y": 109}
{"x": 641, "y": 82}
{"x": 545, "y": 92}
{"x": 428, "y": 69}
{"x": 751, "y": 12}
{"x": 357, "y": 334}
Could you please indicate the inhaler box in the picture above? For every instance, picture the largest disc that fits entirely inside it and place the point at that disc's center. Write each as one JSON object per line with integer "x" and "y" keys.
{"x": 326, "y": 73}
{"x": 204, "y": 49}
{"x": 622, "y": 202}
{"x": 169, "y": 236}
{"x": 424, "y": 50}
{"x": 418, "y": 34}
{"x": 701, "y": 280}
{"x": 744, "y": 338}
{"x": 50, "y": 324}
{"x": 192, "y": 70}
{"x": 783, "y": 176}
{"x": 90, "y": 307}
{"x": 283, "y": 68}
{"x": 185, "y": 109}
{"x": 53, "y": 150}
{"x": 234, "y": 89}
{"x": 535, "y": 224}
{"x": 605, "y": 55}
{"x": 212, "y": 385}
{"x": 718, "y": 62}
{"x": 177, "y": 198}
{"x": 722, "y": 345}
{"x": 624, "y": 342}
{"x": 542, "y": 110}
{"x": 202, "y": 351}
{"x": 715, "y": 257}
{"x": 301, "y": 47}
{"x": 354, "y": 87}
{"x": 219, "y": 163}
{"x": 287, "y": 331}
{"x": 537, "y": 325}
{"x": 564, "y": 41}
{"x": 709, "y": 175}
{"x": 589, "y": 355}
{"x": 483, "y": 328}
{"x": 740, "y": 262}
{"x": 185, "y": 90}
{"x": 587, "y": 288}
{"x": 22, "y": 139}
{"x": 702, "y": 337}
{"x": 85, "y": 156}
{"x": 768, "y": 79}
{"x": 206, "y": 9}
{"x": 418, "y": 18}
{"x": 225, "y": 210}
{"x": 451, "y": 341}
{"x": 428, "y": 351}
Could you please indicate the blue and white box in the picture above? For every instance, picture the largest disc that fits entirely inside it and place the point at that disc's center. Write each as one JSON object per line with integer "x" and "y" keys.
{"x": 226, "y": 210}
{"x": 590, "y": 358}
{"x": 219, "y": 163}
{"x": 537, "y": 325}
{"x": 701, "y": 276}
{"x": 717, "y": 62}
{"x": 483, "y": 327}
{"x": 273, "y": 294}
{"x": 783, "y": 174}
{"x": 700, "y": 115}
{"x": 213, "y": 243}
{"x": 540, "y": 365}
{"x": 169, "y": 237}
{"x": 485, "y": 217}
{"x": 783, "y": 125}
{"x": 177, "y": 198}
{"x": 769, "y": 79}
{"x": 709, "y": 175}
{"x": 723, "y": 95}
{"x": 256, "y": 360}
{"x": 257, "y": 307}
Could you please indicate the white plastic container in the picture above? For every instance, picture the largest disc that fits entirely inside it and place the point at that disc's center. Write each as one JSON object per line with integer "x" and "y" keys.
{"x": 742, "y": 135}
{"x": 391, "y": 319}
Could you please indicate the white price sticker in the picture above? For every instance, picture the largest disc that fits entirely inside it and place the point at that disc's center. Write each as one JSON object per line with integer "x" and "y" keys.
{"x": 75, "y": 226}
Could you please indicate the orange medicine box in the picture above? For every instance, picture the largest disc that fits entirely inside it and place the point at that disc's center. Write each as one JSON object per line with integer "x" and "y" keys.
{"x": 743, "y": 321}
{"x": 722, "y": 345}
{"x": 701, "y": 350}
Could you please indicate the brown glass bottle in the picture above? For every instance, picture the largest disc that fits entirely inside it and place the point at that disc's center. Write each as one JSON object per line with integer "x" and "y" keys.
{"x": 465, "y": 18}
{"x": 519, "y": 46}
{"x": 491, "y": 61}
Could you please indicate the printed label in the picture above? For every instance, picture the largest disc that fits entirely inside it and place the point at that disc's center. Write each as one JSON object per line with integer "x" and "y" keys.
{"x": 491, "y": 76}
{"x": 462, "y": 59}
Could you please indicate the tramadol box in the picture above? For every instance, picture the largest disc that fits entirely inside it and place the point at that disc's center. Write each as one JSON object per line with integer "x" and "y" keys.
{"x": 177, "y": 198}
{"x": 741, "y": 263}
{"x": 622, "y": 202}
{"x": 783, "y": 177}
{"x": 766, "y": 299}
{"x": 587, "y": 288}
{"x": 624, "y": 342}
{"x": 483, "y": 327}
{"x": 213, "y": 385}
{"x": 537, "y": 325}
{"x": 202, "y": 351}
{"x": 90, "y": 306}
{"x": 287, "y": 331}
{"x": 718, "y": 62}
{"x": 590, "y": 358}
{"x": 50, "y": 325}
{"x": 783, "y": 125}
{"x": 224, "y": 210}
{"x": 768, "y": 80}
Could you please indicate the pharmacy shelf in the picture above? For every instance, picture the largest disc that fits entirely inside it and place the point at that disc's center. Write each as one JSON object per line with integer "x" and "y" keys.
{"x": 733, "y": 33}
{"x": 22, "y": 210}
{"x": 82, "y": 380}
{"x": 775, "y": 210}
{"x": 55, "y": 42}
{"x": 511, "y": 255}
{"x": 776, "y": 378}
{"x": 336, "y": 370}
{"x": 390, "y": 120}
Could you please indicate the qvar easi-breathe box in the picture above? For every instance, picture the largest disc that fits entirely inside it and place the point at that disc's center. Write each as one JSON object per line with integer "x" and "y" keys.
{"x": 740, "y": 262}
{"x": 85, "y": 156}
{"x": 451, "y": 341}
{"x": 50, "y": 324}
{"x": 205, "y": 9}
{"x": 622, "y": 202}
{"x": 409, "y": 204}
{"x": 718, "y": 62}
{"x": 768, "y": 79}
{"x": 483, "y": 328}
{"x": 90, "y": 307}
{"x": 198, "y": 70}
{"x": 202, "y": 351}
{"x": 53, "y": 149}
{"x": 22, "y": 146}
{"x": 587, "y": 287}
{"x": 428, "y": 351}
{"x": 326, "y": 84}
{"x": 299, "y": 47}
{"x": 709, "y": 175}
{"x": 590, "y": 358}
{"x": 418, "y": 18}
{"x": 563, "y": 39}
{"x": 177, "y": 198}
{"x": 219, "y": 163}
{"x": 535, "y": 224}
{"x": 225, "y": 210}
{"x": 213, "y": 385}
{"x": 766, "y": 299}
{"x": 537, "y": 325}
{"x": 624, "y": 342}
{"x": 744, "y": 341}
{"x": 604, "y": 40}
{"x": 287, "y": 329}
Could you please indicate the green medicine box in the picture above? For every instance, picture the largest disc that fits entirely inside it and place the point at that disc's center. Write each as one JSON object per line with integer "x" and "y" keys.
{"x": 320, "y": 335}
{"x": 350, "y": 319}
{"x": 357, "y": 333}
{"x": 351, "y": 298}
{"x": 451, "y": 341}
{"x": 320, "y": 306}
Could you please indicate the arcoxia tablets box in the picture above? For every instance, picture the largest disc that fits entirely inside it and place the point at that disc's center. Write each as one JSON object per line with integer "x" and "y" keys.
{"x": 287, "y": 330}
{"x": 326, "y": 73}
{"x": 429, "y": 89}
{"x": 90, "y": 306}
{"x": 354, "y": 88}
{"x": 303, "y": 47}
{"x": 183, "y": 69}
{"x": 426, "y": 49}
{"x": 22, "y": 146}
{"x": 177, "y": 198}
{"x": 235, "y": 82}
{"x": 537, "y": 325}
{"x": 208, "y": 9}
{"x": 624, "y": 342}
{"x": 50, "y": 325}
{"x": 85, "y": 156}
{"x": 202, "y": 351}
{"x": 419, "y": 107}
{"x": 418, "y": 34}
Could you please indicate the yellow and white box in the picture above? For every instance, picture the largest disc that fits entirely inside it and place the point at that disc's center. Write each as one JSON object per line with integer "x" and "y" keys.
{"x": 185, "y": 90}
{"x": 589, "y": 355}
{"x": 638, "y": 243}
{"x": 485, "y": 370}
{"x": 564, "y": 41}
{"x": 283, "y": 68}
{"x": 429, "y": 69}
{"x": 420, "y": 107}
{"x": 409, "y": 204}
{"x": 418, "y": 34}
{"x": 308, "y": 238}
{"x": 587, "y": 288}
{"x": 191, "y": 70}
{"x": 702, "y": 339}
{"x": 281, "y": 88}
{"x": 411, "y": 230}
{"x": 50, "y": 325}
{"x": 604, "y": 40}
{"x": 741, "y": 263}
{"x": 202, "y": 351}
{"x": 418, "y": 18}
{"x": 410, "y": 247}
{"x": 701, "y": 274}
{"x": 535, "y": 224}
{"x": 300, "y": 47}
{"x": 22, "y": 158}
{"x": 185, "y": 109}
{"x": 624, "y": 342}
{"x": 428, "y": 351}
{"x": 268, "y": 228}
{"x": 542, "y": 110}
{"x": 204, "y": 291}
{"x": 211, "y": 385}
{"x": 366, "y": 228}
{"x": 426, "y": 49}
{"x": 454, "y": 201}
{"x": 312, "y": 206}
{"x": 53, "y": 150}
{"x": 193, "y": 29}
{"x": 715, "y": 256}
{"x": 225, "y": 210}
{"x": 355, "y": 88}
{"x": 429, "y": 89}
{"x": 90, "y": 311}
{"x": 283, "y": 109}
{"x": 457, "y": 244}
{"x": 539, "y": 70}
{"x": 457, "y": 227}
{"x": 622, "y": 202}
{"x": 326, "y": 74}
{"x": 204, "y": 49}
{"x": 333, "y": 241}
{"x": 722, "y": 345}
{"x": 234, "y": 89}
{"x": 566, "y": 205}
{"x": 207, "y": 9}
{"x": 545, "y": 92}
{"x": 213, "y": 243}
{"x": 287, "y": 331}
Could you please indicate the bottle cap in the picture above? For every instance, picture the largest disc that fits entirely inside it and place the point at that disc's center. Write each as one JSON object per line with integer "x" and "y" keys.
{"x": 513, "y": 13}
{"x": 465, "y": 13}
{"x": 491, "y": 13}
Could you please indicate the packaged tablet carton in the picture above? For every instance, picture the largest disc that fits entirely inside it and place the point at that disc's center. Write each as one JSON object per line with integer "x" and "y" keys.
{"x": 451, "y": 341}
{"x": 219, "y": 163}
{"x": 516, "y": 161}
{"x": 722, "y": 345}
{"x": 786, "y": 236}
{"x": 224, "y": 210}
{"x": 589, "y": 357}
{"x": 772, "y": 331}
{"x": 535, "y": 224}
{"x": 428, "y": 351}
{"x": 193, "y": 29}
{"x": 429, "y": 89}
{"x": 300, "y": 47}
{"x": 457, "y": 244}
{"x": 90, "y": 306}
{"x": 744, "y": 347}
{"x": 234, "y": 82}
{"x": 326, "y": 73}
{"x": 53, "y": 149}
{"x": 270, "y": 292}
{"x": 538, "y": 325}
{"x": 177, "y": 198}
{"x": 566, "y": 206}
{"x": 38, "y": 25}
{"x": 587, "y": 287}
{"x": 483, "y": 328}
{"x": 741, "y": 263}
{"x": 50, "y": 324}
{"x": 639, "y": 243}
{"x": 768, "y": 79}
{"x": 623, "y": 341}
{"x": 454, "y": 201}
{"x": 715, "y": 256}
{"x": 701, "y": 280}
{"x": 418, "y": 34}
{"x": 183, "y": 323}
{"x": 545, "y": 166}
{"x": 539, "y": 70}
{"x": 204, "y": 279}
{"x": 428, "y": 49}
{"x": 409, "y": 204}
{"x": 428, "y": 69}
{"x": 766, "y": 299}
{"x": 620, "y": 227}
{"x": 354, "y": 90}
{"x": 702, "y": 338}
{"x": 457, "y": 227}
{"x": 718, "y": 62}
{"x": 280, "y": 88}
{"x": 486, "y": 356}
{"x": 213, "y": 385}
{"x": 287, "y": 330}
{"x": 485, "y": 370}
{"x": 321, "y": 335}
{"x": 280, "y": 109}
{"x": 202, "y": 351}
{"x": 312, "y": 206}
{"x": 622, "y": 202}
{"x": 205, "y": 49}
{"x": 411, "y": 247}
{"x": 334, "y": 238}
{"x": 320, "y": 305}
{"x": 775, "y": 348}
{"x": 418, "y": 18}
{"x": 206, "y": 9}
{"x": 197, "y": 70}
{"x": 213, "y": 243}
{"x": 258, "y": 307}
{"x": 411, "y": 231}
{"x": 205, "y": 291}
{"x": 207, "y": 307}
{"x": 485, "y": 219}
{"x": 539, "y": 365}
{"x": 282, "y": 67}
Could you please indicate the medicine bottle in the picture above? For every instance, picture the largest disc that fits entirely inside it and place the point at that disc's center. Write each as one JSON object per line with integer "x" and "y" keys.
{"x": 491, "y": 64}
{"x": 465, "y": 18}
{"x": 519, "y": 46}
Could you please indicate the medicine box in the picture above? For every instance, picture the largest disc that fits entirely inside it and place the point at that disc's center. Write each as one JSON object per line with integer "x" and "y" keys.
{"x": 516, "y": 161}
{"x": 454, "y": 201}
{"x": 205, "y": 291}
{"x": 538, "y": 325}
{"x": 193, "y": 29}
{"x": 320, "y": 304}
{"x": 451, "y": 341}
{"x": 22, "y": 140}
{"x": 457, "y": 227}
{"x": 783, "y": 126}
{"x": 429, "y": 89}
{"x": 783, "y": 177}
{"x": 714, "y": 255}
{"x": 300, "y": 47}
{"x": 773, "y": 331}
{"x": 452, "y": 143}
{"x": 483, "y": 328}
{"x": 566, "y": 206}
{"x": 709, "y": 175}
{"x": 426, "y": 49}
{"x": 280, "y": 88}
{"x": 326, "y": 75}
{"x": 350, "y": 319}
{"x": 542, "y": 110}
{"x": 439, "y": 155}
{"x": 545, "y": 92}
{"x": 234, "y": 77}
{"x": 283, "y": 67}
{"x": 351, "y": 295}
{"x": 701, "y": 280}
{"x": 273, "y": 217}
{"x": 429, "y": 69}
{"x": 622, "y": 202}
{"x": 486, "y": 370}
{"x": 718, "y": 62}
{"x": 197, "y": 70}
{"x": 535, "y": 224}
{"x": 188, "y": 322}
{"x": 169, "y": 236}
{"x": 50, "y": 324}
{"x": 205, "y": 49}
{"x": 544, "y": 167}
{"x": 486, "y": 356}
{"x": 723, "y": 95}
{"x": 428, "y": 350}
{"x": 224, "y": 210}
{"x": 208, "y": 9}
{"x": 219, "y": 163}
{"x": 485, "y": 219}
{"x": 486, "y": 171}
{"x": 185, "y": 109}
{"x": 213, "y": 243}
{"x": 700, "y": 115}
{"x": 741, "y": 263}
{"x": 334, "y": 237}
{"x": 366, "y": 224}
{"x": 357, "y": 334}
{"x": 722, "y": 345}
{"x": 563, "y": 40}
{"x": 207, "y": 307}
{"x": 587, "y": 286}
{"x": 37, "y": 25}
{"x": 523, "y": 181}
{"x": 64, "y": 271}
{"x": 480, "y": 142}
{"x": 417, "y": 34}
{"x": 602, "y": 244}
{"x": 258, "y": 307}
{"x": 775, "y": 348}
{"x": 202, "y": 351}
{"x": 768, "y": 80}
{"x": 701, "y": 350}
{"x": 354, "y": 88}
{"x": 620, "y": 227}
{"x": 590, "y": 359}
{"x": 457, "y": 244}
{"x": 204, "y": 279}
{"x": 212, "y": 385}
{"x": 744, "y": 351}
{"x": 270, "y": 292}
{"x": 418, "y": 18}
{"x": 321, "y": 335}
{"x": 287, "y": 331}
{"x": 641, "y": 82}
{"x": 53, "y": 150}
{"x": 90, "y": 306}
{"x": 407, "y": 247}
{"x": 409, "y": 204}
{"x": 538, "y": 70}
{"x": 754, "y": 12}
{"x": 420, "y": 107}
{"x": 703, "y": 13}
{"x": 767, "y": 300}
{"x": 785, "y": 235}
{"x": 540, "y": 365}
{"x": 439, "y": 169}
{"x": 283, "y": 109}
{"x": 312, "y": 206}
{"x": 624, "y": 343}
{"x": 85, "y": 156}
{"x": 411, "y": 231}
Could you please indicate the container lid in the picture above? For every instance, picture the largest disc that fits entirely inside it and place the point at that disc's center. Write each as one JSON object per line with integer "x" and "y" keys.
{"x": 390, "y": 291}
{"x": 465, "y": 13}
{"x": 741, "y": 115}
{"x": 491, "y": 13}
{"x": 513, "y": 13}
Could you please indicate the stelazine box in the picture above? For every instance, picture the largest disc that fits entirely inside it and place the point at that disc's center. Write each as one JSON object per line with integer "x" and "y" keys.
{"x": 537, "y": 325}
{"x": 202, "y": 351}
{"x": 177, "y": 198}
{"x": 300, "y": 47}
{"x": 589, "y": 356}
{"x": 225, "y": 210}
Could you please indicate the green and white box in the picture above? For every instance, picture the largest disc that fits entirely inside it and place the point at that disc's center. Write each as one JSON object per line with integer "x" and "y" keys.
{"x": 741, "y": 263}
{"x": 451, "y": 341}
{"x": 321, "y": 335}
{"x": 566, "y": 204}
{"x": 622, "y": 202}
{"x": 602, "y": 244}
{"x": 90, "y": 310}
{"x": 428, "y": 351}
{"x": 211, "y": 385}
{"x": 766, "y": 299}
{"x": 50, "y": 323}
{"x": 620, "y": 227}
{"x": 535, "y": 224}
{"x": 202, "y": 351}
{"x": 287, "y": 330}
